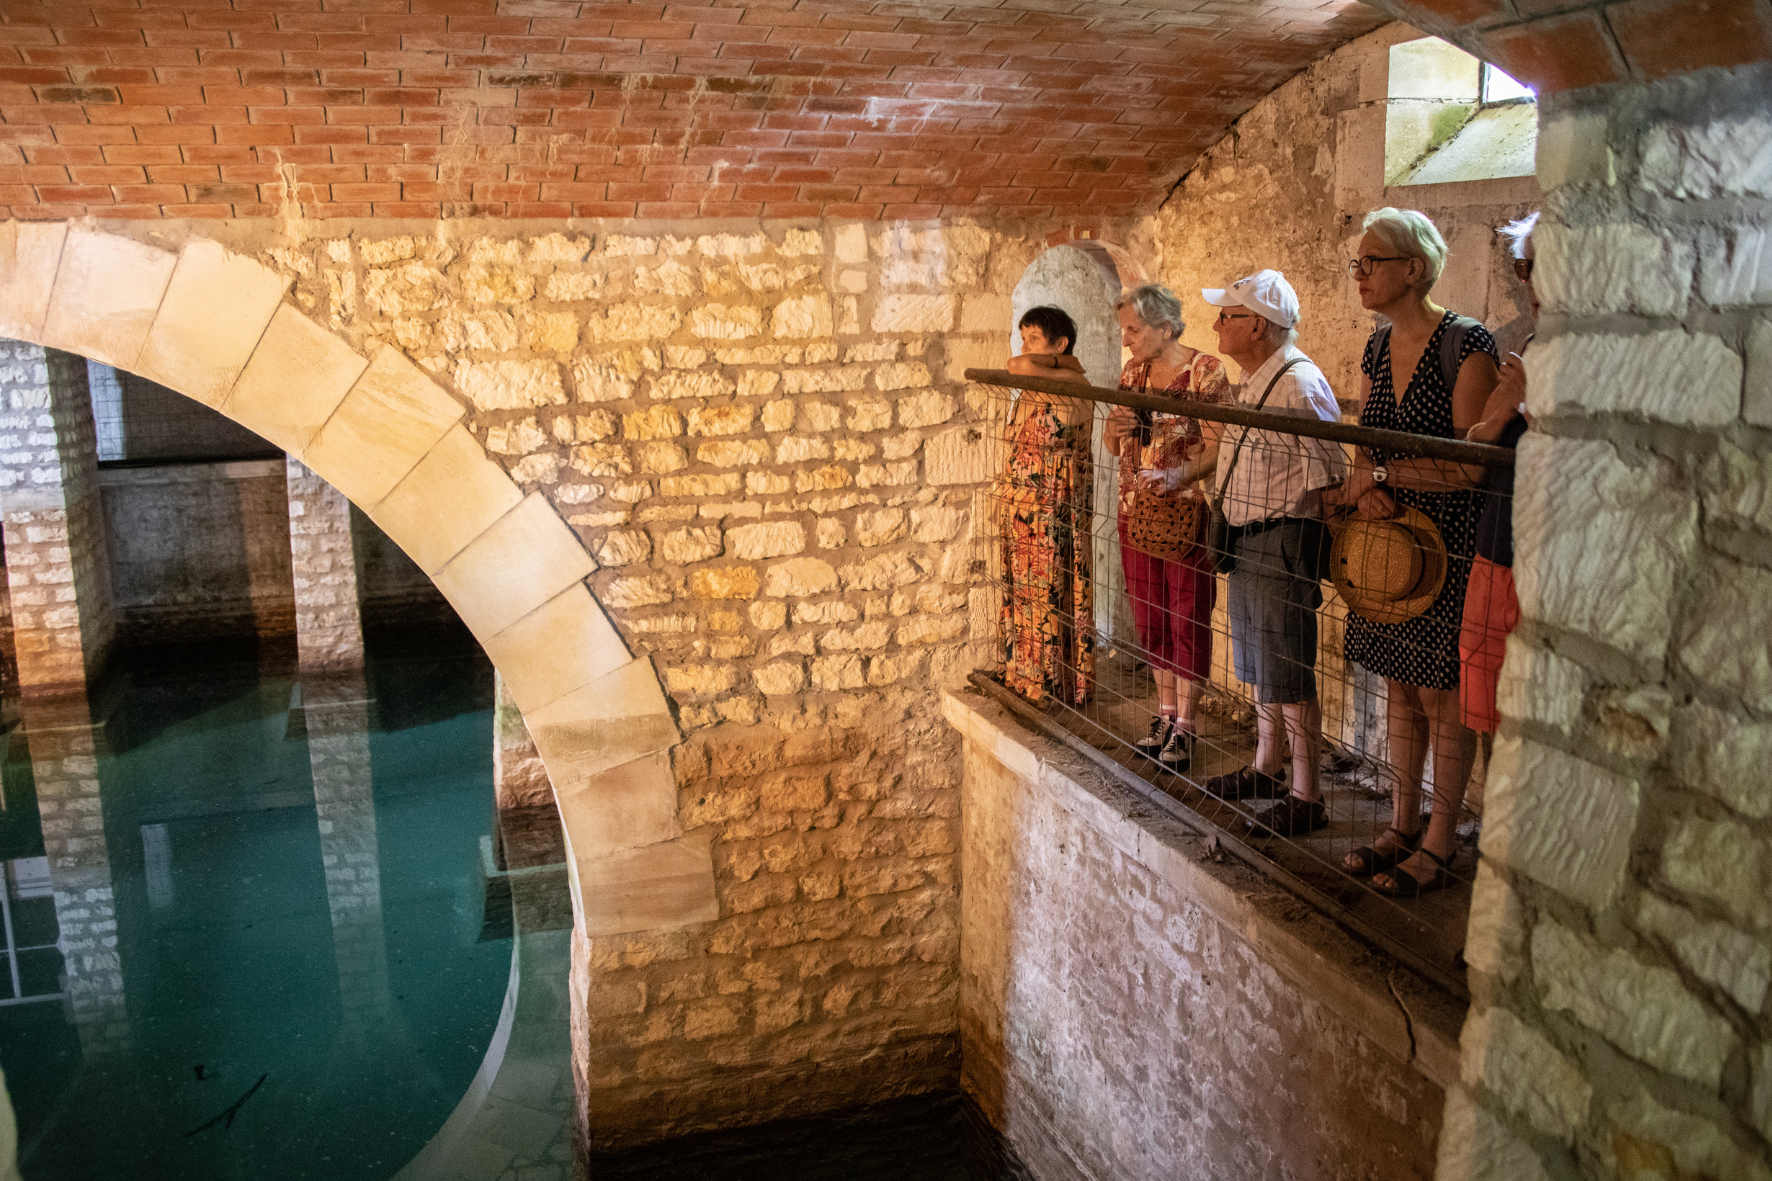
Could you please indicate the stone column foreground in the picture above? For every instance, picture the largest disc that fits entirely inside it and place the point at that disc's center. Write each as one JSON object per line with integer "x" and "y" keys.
{"x": 57, "y": 565}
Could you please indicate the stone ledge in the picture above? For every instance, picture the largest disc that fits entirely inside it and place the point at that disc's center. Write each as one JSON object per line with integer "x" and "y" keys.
{"x": 1363, "y": 988}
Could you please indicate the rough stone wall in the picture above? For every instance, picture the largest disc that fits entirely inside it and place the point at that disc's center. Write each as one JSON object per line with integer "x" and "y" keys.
{"x": 762, "y": 439}
{"x": 57, "y": 571}
{"x": 1131, "y": 1009}
{"x": 1621, "y": 930}
{"x": 199, "y": 550}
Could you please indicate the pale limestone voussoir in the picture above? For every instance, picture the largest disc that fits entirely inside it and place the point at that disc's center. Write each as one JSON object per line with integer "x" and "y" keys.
{"x": 107, "y": 291}
{"x": 615, "y": 719}
{"x": 625, "y": 807}
{"x": 215, "y": 310}
{"x": 382, "y": 428}
{"x": 30, "y": 253}
{"x": 296, "y": 377}
{"x": 525, "y": 558}
{"x": 454, "y": 494}
{"x": 562, "y": 644}
{"x": 670, "y": 884}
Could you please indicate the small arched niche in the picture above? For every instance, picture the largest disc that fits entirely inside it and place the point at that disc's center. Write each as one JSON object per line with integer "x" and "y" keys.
{"x": 1085, "y": 277}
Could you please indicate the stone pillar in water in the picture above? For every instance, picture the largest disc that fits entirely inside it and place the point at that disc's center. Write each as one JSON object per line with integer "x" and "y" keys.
{"x": 336, "y": 709}
{"x": 335, "y": 706}
{"x": 64, "y": 747}
{"x": 328, "y": 624}
{"x": 57, "y": 567}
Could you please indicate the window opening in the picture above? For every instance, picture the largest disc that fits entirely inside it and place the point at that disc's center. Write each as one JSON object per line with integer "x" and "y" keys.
{"x": 1450, "y": 117}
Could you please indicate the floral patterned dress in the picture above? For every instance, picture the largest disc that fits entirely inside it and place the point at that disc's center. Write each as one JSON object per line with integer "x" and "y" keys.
{"x": 1047, "y": 496}
{"x": 1171, "y": 601}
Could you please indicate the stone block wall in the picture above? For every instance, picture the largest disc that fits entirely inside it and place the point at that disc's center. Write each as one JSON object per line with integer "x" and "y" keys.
{"x": 1133, "y": 1006}
{"x": 1621, "y": 932}
{"x": 763, "y": 440}
{"x": 58, "y": 573}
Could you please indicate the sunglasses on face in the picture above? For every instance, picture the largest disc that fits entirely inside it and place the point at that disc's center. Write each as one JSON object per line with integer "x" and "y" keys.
{"x": 1223, "y": 316}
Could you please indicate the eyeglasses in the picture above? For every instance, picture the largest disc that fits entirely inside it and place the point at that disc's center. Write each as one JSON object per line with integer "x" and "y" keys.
{"x": 1362, "y": 266}
{"x": 1223, "y": 316}
{"x": 1523, "y": 269}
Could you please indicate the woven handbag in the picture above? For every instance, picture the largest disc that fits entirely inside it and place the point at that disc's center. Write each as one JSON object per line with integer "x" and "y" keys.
{"x": 1164, "y": 525}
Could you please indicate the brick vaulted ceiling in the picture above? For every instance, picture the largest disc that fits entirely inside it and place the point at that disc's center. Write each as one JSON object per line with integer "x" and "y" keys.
{"x": 560, "y": 108}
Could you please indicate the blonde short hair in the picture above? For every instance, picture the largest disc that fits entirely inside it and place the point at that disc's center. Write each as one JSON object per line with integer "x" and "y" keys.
{"x": 1409, "y": 233}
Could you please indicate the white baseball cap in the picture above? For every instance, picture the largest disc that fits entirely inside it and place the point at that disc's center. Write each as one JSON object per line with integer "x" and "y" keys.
{"x": 1265, "y": 292}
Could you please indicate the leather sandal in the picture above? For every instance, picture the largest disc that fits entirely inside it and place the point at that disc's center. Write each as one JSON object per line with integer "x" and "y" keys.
{"x": 1246, "y": 783}
{"x": 1404, "y": 885}
{"x": 1369, "y": 859}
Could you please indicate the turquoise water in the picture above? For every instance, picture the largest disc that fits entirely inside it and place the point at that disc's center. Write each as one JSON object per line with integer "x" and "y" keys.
{"x": 229, "y": 938}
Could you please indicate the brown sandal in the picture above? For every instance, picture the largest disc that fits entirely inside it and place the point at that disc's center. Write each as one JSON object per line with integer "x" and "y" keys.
{"x": 1369, "y": 859}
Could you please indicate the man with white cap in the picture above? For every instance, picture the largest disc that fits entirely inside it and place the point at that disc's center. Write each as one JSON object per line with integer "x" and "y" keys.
{"x": 1273, "y": 504}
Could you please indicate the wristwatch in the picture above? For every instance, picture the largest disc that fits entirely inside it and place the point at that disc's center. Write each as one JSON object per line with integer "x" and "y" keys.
{"x": 1379, "y": 475}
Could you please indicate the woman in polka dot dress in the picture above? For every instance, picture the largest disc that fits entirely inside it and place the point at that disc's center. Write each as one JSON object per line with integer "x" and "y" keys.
{"x": 1401, "y": 256}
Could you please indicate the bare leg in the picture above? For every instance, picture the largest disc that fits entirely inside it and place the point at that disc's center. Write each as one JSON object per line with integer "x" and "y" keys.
{"x": 1165, "y": 692}
{"x": 1304, "y": 727}
{"x": 1407, "y": 730}
{"x": 1187, "y": 694}
{"x": 1454, "y": 747}
{"x": 1269, "y": 750}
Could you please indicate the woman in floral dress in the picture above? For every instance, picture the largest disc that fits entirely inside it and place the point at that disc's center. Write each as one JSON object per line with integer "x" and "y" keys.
{"x": 1045, "y": 506}
{"x": 1168, "y": 454}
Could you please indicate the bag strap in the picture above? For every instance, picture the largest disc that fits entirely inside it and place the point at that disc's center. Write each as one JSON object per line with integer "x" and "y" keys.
{"x": 1451, "y": 344}
{"x": 1237, "y": 451}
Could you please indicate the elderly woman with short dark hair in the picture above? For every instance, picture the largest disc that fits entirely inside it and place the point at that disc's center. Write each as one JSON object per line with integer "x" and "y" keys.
{"x": 1165, "y": 456}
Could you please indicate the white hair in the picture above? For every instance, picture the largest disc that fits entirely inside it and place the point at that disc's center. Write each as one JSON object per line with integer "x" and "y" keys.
{"x": 1156, "y": 305}
{"x": 1409, "y": 233}
{"x": 1519, "y": 232}
{"x": 1277, "y": 334}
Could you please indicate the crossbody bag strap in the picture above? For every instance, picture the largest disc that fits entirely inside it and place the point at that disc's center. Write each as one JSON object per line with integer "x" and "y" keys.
{"x": 1237, "y": 451}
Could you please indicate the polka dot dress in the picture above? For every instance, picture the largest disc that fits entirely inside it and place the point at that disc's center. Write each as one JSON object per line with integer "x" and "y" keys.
{"x": 1424, "y": 650}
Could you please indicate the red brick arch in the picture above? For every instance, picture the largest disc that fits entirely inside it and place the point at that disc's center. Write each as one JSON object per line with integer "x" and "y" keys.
{"x": 644, "y": 108}
{"x": 1591, "y": 44}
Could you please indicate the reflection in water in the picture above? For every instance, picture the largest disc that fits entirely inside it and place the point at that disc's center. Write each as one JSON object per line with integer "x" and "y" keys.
{"x": 216, "y": 873}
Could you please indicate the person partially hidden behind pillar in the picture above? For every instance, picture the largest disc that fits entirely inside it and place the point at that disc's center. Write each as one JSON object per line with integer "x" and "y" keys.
{"x": 1428, "y": 371}
{"x": 1044, "y": 504}
{"x": 1272, "y": 486}
{"x": 1491, "y": 609}
{"x": 1161, "y": 524}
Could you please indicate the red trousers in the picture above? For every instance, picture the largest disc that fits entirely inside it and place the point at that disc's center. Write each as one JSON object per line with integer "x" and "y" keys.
{"x": 1172, "y": 609}
{"x": 1491, "y": 611}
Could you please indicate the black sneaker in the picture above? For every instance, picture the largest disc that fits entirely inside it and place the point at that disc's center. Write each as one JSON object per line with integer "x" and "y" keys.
{"x": 1291, "y": 817}
{"x": 1178, "y": 753}
{"x": 1158, "y": 737}
{"x": 1246, "y": 783}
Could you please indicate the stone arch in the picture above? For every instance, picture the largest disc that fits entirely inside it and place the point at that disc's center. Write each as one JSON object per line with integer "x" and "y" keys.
{"x": 1085, "y": 276}
{"x": 216, "y": 327}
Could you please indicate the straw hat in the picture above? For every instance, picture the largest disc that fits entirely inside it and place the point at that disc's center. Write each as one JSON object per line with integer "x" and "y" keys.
{"x": 1389, "y": 571}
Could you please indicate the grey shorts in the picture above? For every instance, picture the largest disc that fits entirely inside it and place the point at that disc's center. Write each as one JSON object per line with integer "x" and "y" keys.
{"x": 1274, "y": 596}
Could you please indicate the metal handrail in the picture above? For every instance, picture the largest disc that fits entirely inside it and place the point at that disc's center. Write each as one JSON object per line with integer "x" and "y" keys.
{"x": 1396, "y": 442}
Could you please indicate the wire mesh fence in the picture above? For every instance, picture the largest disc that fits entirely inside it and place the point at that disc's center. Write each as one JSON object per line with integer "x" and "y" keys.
{"x": 1183, "y": 590}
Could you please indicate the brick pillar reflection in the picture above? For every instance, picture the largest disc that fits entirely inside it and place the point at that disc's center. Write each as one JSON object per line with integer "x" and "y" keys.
{"x": 336, "y": 710}
{"x": 64, "y": 748}
{"x": 328, "y": 625}
{"x": 518, "y": 778}
{"x": 57, "y": 568}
